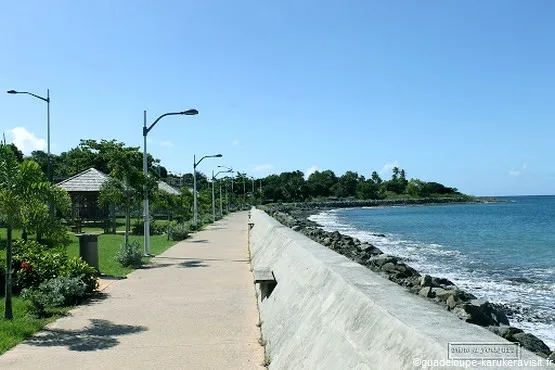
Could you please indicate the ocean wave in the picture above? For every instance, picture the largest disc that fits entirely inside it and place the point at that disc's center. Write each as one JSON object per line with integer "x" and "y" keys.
{"x": 532, "y": 297}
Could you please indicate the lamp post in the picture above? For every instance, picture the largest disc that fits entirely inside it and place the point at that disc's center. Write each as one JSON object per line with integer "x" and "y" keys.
{"x": 213, "y": 202}
{"x": 252, "y": 178}
{"x": 230, "y": 170}
{"x": 195, "y": 164}
{"x": 226, "y": 199}
{"x": 221, "y": 206}
{"x": 244, "y": 192}
{"x": 146, "y": 130}
{"x": 260, "y": 191}
{"x": 213, "y": 195}
{"x": 47, "y": 100}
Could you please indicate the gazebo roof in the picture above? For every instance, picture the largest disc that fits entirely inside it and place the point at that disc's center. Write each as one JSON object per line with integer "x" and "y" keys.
{"x": 90, "y": 180}
{"x": 167, "y": 188}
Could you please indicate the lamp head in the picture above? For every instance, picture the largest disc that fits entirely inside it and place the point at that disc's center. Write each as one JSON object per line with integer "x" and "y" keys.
{"x": 12, "y": 92}
{"x": 190, "y": 112}
{"x": 218, "y": 156}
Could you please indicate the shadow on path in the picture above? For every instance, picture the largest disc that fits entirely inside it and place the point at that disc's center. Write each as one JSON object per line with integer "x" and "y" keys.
{"x": 101, "y": 334}
{"x": 192, "y": 263}
{"x": 155, "y": 265}
{"x": 199, "y": 241}
{"x": 204, "y": 259}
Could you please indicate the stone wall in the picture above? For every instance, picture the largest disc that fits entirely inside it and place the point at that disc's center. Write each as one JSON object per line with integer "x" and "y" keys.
{"x": 329, "y": 312}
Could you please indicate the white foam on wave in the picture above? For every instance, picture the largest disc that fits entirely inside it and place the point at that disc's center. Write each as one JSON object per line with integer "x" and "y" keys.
{"x": 536, "y": 299}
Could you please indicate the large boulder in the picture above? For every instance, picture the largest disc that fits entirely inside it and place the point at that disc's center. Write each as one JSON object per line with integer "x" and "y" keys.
{"x": 388, "y": 267}
{"x": 426, "y": 280}
{"x": 532, "y": 343}
{"x": 505, "y": 331}
{"x": 382, "y": 259}
{"x": 425, "y": 292}
{"x": 437, "y": 281}
{"x": 481, "y": 313}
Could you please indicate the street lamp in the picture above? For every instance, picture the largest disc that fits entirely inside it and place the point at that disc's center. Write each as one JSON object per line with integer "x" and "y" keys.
{"x": 260, "y": 191}
{"x": 227, "y": 199}
{"x": 195, "y": 164}
{"x": 146, "y": 130}
{"x": 252, "y": 178}
{"x": 213, "y": 194}
{"x": 229, "y": 170}
{"x": 47, "y": 100}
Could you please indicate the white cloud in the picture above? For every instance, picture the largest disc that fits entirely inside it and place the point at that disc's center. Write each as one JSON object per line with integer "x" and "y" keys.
{"x": 514, "y": 173}
{"x": 310, "y": 171}
{"x": 167, "y": 144}
{"x": 26, "y": 141}
{"x": 262, "y": 167}
{"x": 385, "y": 172}
{"x": 236, "y": 142}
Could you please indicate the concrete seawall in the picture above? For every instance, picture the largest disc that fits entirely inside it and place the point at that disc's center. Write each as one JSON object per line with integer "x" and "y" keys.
{"x": 328, "y": 312}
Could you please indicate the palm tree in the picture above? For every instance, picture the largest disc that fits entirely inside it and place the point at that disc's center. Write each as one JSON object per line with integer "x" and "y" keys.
{"x": 24, "y": 195}
{"x": 10, "y": 204}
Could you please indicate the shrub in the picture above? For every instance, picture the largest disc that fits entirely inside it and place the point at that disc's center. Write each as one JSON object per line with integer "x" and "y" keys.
{"x": 179, "y": 231}
{"x": 57, "y": 292}
{"x": 129, "y": 254}
{"x": 156, "y": 228}
{"x": 206, "y": 219}
{"x": 193, "y": 227}
{"x": 57, "y": 234}
{"x": 34, "y": 263}
{"x": 77, "y": 268}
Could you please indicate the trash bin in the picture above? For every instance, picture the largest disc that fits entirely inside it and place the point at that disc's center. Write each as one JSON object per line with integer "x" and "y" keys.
{"x": 88, "y": 248}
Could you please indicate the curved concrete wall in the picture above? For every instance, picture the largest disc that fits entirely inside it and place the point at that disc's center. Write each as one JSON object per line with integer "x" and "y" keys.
{"x": 328, "y": 312}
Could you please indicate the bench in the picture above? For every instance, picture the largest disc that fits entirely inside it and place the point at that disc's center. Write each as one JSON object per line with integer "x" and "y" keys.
{"x": 266, "y": 280}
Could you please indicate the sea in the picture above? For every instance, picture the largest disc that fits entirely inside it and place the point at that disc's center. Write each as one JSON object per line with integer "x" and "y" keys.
{"x": 503, "y": 252}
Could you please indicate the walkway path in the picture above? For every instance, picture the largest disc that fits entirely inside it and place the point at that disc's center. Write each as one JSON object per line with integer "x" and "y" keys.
{"x": 193, "y": 308}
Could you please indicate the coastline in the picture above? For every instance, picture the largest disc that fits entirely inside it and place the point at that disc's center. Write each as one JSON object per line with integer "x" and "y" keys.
{"x": 440, "y": 290}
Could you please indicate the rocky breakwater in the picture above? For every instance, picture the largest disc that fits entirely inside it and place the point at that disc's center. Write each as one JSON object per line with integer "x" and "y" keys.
{"x": 440, "y": 290}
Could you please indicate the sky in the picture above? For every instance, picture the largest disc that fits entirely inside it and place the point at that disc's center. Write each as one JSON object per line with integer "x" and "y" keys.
{"x": 458, "y": 92}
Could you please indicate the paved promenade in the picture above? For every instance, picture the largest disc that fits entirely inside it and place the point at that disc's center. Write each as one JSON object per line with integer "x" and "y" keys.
{"x": 193, "y": 308}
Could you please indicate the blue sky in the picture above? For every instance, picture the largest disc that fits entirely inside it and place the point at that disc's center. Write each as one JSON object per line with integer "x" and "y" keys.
{"x": 459, "y": 92}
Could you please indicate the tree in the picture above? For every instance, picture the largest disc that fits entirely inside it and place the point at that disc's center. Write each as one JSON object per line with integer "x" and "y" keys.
{"x": 10, "y": 203}
{"x": 41, "y": 158}
{"x": 40, "y": 202}
{"x": 397, "y": 184}
{"x": 127, "y": 184}
{"x": 376, "y": 178}
{"x": 294, "y": 187}
{"x": 184, "y": 205}
{"x": 414, "y": 187}
{"x": 431, "y": 188}
{"x": 349, "y": 182}
{"x": 395, "y": 174}
{"x": 24, "y": 194}
{"x": 18, "y": 153}
{"x": 320, "y": 184}
{"x": 367, "y": 189}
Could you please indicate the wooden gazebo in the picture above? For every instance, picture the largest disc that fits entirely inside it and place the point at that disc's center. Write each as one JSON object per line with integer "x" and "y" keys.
{"x": 84, "y": 189}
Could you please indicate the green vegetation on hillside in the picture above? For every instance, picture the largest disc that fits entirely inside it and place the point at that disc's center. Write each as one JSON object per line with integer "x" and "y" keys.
{"x": 325, "y": 185}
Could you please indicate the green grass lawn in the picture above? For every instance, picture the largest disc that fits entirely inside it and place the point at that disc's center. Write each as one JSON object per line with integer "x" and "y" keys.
{"x": 23, "y": 324}
{"x": 108, "y": 246}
